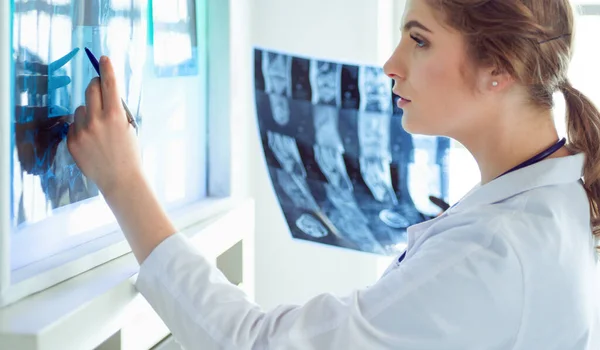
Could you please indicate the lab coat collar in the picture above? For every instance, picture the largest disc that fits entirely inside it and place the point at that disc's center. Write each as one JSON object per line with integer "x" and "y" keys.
{"x": 548, "y": 172}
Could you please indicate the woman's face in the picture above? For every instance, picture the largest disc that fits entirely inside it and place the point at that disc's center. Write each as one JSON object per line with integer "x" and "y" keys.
{"x": 427, "y": 68}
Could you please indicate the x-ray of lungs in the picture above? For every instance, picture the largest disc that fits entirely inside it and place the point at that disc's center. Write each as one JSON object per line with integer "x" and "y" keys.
{"x": 329, "y": 148}
{"x": 286, "y": 152}
{"x": 51, "y": 75}
{"x": 427, "y": 170}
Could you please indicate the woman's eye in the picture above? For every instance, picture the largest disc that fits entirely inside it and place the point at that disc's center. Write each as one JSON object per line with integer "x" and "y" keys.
{"x": 420, "y": 43}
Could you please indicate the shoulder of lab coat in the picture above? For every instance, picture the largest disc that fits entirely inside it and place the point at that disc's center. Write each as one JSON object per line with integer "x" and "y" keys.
{"x": 475, "y": 278}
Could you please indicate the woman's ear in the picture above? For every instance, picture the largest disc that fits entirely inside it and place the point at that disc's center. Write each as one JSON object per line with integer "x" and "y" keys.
{"x": 497, "y": 80}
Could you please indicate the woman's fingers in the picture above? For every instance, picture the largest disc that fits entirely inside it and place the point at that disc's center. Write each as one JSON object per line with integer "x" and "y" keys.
{"x": 100, "y": 140}
{"x": 93, "y": 97}
{"x": 111, "y": 99}
{"x": 80, "y": 119}
{"x": 79, "y": 122}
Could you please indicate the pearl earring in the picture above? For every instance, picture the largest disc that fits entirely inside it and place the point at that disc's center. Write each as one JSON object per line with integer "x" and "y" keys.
{"x": 494, "y": 83}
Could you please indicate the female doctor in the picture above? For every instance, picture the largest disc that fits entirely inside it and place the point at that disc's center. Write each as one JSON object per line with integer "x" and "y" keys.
{"x": 511, "y": 266}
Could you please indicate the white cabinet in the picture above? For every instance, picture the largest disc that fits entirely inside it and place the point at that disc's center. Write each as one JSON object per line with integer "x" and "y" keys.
{"x": 86, "y": 311}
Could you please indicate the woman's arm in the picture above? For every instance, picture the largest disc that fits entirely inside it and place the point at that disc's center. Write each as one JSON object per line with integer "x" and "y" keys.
{"x": 467, "y": 298}
{"x": 105, "y": 148}
{"x": 141, "y": 217}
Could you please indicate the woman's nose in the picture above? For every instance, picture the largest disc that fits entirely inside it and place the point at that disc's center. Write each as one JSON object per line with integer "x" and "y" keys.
{"x": 393, "y": 67}
{"x": 388, "y": 70}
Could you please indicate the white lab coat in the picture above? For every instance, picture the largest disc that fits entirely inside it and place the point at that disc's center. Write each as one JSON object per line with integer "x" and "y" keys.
{"x": 512, "y": 266}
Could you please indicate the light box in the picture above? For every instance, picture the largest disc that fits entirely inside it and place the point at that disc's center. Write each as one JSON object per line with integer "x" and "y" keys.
{"x": 51, "y": 215}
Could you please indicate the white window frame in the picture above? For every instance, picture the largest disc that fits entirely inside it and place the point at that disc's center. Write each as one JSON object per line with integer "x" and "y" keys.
{"x": 215, "y": 20}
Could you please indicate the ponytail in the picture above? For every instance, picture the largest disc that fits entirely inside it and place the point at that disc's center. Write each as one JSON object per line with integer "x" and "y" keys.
{"x": 583, "y": 133}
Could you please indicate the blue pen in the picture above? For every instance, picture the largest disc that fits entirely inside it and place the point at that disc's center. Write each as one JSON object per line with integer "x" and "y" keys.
{"x": 96, "y": 65}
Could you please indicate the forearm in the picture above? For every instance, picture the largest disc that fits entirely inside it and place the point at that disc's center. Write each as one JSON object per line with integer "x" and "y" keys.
{"x": 140, "y": 215}
{"x": 105, "y": 148}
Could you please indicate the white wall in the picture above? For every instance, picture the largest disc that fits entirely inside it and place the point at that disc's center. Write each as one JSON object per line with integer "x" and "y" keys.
{"x": 358, "y": 31}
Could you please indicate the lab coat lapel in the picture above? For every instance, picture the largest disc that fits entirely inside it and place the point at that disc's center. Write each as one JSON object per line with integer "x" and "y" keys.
{"x": 545, "y": 173}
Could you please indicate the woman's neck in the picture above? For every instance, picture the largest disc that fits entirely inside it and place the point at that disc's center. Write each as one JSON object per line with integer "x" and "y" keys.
{"x": 510, "y": 142}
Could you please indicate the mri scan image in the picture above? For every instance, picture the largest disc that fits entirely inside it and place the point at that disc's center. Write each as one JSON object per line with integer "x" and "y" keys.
{"x": 297, "y": 190}
{"x": 326, "y": 121}
{"x": 276, "y": 70}
{"x": 331, "y": 163}
{"x": 344, "y": 171}
{"x": 51, "y": 73}
{"x": 280, "y": 109}
{"x": 325, "y": 79}
{"x": 309, "y": 225}
{"x": 375, "y": 89}
{"x": 175, "y": 48}
{"x": 345, "y": 202}
{"x": 286, "y": 152}
{"x": 350, "y": 94}
{"x": 376, "y": 174}
{"x": 301, "y": 88}
{"x": 374, "y": 135}
{"x": 329, "y": 148}
{"x": 357, "y": 232}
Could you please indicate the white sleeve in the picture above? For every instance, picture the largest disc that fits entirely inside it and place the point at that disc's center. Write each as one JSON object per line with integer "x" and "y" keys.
{"x": 410, "y": 308}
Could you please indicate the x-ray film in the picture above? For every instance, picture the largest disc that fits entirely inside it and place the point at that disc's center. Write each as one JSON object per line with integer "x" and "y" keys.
{"x": 343, "y": 169}
{"x": 174, "y": 38}
{"x": 51, "y": 75}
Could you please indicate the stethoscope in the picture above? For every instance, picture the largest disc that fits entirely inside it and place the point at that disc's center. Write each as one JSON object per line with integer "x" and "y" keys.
{"x": 535, "y": 159}
{"x": 539, "y": 157}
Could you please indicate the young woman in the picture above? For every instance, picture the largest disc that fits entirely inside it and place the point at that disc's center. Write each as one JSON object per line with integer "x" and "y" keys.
{"x": 511, "y": 266}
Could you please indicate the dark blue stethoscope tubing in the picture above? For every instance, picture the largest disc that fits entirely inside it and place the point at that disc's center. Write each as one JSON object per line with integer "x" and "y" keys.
{"x": 539, "y": 157}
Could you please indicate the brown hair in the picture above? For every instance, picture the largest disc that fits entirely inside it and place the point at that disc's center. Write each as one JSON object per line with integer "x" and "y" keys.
{"x": 532, "y": 41}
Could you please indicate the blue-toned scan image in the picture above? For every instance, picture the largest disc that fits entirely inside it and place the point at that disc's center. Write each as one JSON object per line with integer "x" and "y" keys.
{"x": 344, "y": 170}
{"x": 51, "y": 73}
{"x": 174, "y": 38}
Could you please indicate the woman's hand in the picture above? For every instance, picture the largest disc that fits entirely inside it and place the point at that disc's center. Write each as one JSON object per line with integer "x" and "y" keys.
{"x": 105, "y": 148}
{"x": 101, "y": 140}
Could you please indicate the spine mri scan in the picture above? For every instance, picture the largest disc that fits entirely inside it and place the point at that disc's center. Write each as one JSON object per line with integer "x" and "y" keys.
{"x": 344, "y": 171}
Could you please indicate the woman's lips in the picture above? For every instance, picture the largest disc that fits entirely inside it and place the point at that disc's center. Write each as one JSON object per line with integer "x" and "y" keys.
{"x": 402, "y": 102}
